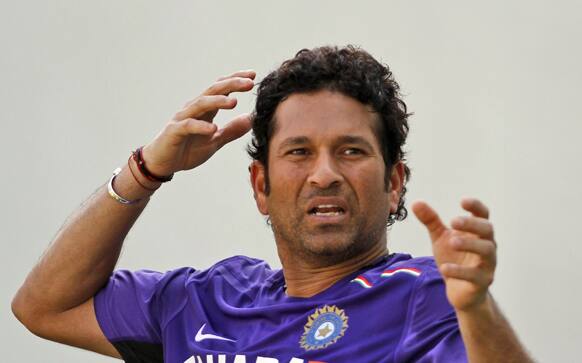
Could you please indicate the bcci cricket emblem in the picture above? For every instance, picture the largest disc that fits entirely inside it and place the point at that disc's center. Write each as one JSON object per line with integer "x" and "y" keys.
{"x": 324, "y": 327}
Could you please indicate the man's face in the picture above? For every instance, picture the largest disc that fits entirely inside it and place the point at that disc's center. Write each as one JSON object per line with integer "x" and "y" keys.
{"x": 328, "y": 198}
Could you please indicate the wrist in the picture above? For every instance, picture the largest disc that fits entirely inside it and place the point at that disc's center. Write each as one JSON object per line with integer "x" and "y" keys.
{"x": 483, "y": 309}
{"x": 139, "y": 178}
{"x": 146, "y": 170}
{"x": 126, "y": 186}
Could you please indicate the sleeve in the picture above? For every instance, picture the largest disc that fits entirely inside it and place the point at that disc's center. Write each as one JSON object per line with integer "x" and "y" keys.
{"x": 130, "y": 312}
{"x": 431, "y": 332}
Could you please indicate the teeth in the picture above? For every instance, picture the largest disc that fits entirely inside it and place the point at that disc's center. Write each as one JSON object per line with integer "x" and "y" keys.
{"x": 328, "y": 213}
{"x": 327, "y": 210}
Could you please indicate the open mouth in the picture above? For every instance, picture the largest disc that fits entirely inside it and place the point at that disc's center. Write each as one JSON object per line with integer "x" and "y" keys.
{"x": 326, "y": 210}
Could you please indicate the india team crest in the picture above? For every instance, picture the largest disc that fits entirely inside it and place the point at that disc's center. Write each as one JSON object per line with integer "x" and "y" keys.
{"x": 324, "y": 327}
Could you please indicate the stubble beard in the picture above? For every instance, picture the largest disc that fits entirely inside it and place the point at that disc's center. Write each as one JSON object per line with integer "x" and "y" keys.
{"x": 329, "y": 245}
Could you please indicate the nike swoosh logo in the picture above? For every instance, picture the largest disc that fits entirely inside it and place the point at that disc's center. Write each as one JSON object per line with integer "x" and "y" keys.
{"x": 201, "y": 336}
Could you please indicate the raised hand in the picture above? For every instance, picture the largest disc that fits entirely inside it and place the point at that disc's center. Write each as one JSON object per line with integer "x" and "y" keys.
{"x": 191, "y": 137}
{"x": 465, "y": 253}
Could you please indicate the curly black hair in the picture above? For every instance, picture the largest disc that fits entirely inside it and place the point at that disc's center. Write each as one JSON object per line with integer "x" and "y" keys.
{"x": 351, "y": 71}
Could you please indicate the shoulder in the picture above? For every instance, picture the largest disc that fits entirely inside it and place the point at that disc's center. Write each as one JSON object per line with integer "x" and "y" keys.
{"x": 430, "y": 328}
{"x": 233, "y": 278}
{"x": 242, "y": 264}
{"x": 235, "y": 270}
{"x": 400, "y": 274}
{"x": 239, "y": 267}
{"x": 429, "y": 279}
{"x": 167, "y": 292}
{"x": 428, "y": 295}
{"x": 400, "y": 264}
{"x": 417, "y": 275}
{"x": 421, "y": 265}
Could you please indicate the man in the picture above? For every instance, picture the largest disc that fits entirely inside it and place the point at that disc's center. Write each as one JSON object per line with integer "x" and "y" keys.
{"x": 329, "y": 172}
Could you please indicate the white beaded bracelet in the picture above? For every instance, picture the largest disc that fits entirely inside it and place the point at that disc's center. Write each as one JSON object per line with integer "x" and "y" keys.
{"x": 116, "y": 196}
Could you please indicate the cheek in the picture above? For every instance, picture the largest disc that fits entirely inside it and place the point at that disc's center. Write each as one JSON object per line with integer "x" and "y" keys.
{"x": 370, "y": 187}
{"x": 284, "y": 187}
{"x": 369, "y": 176}
{"x": 287, "y": 175}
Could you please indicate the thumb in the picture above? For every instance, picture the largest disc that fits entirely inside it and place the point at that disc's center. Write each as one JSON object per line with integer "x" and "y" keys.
{"x": 429, "y": 217}
{"x": 236, "y": 128}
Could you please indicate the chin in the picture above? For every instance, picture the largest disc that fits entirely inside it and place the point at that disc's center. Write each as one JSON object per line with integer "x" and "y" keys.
{"x": 332, "y": 250}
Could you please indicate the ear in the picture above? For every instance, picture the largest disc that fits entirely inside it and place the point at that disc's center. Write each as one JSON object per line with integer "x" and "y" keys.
{"x": 257, "y": 170}
{"x": 396, "y": 185}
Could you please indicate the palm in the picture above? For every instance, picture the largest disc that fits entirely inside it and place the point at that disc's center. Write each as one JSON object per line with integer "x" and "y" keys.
{"x": 191, "y": 138}
{"x": 177, "y": 152}
{"x": 465, "y": 253}
{"x": 196, "y": 150}
{"x": 459, "y": 292}
{"x": 199, "y": 148}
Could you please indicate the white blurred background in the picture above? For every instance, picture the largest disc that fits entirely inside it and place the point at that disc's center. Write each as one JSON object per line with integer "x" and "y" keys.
{"x": 494, "y": 87}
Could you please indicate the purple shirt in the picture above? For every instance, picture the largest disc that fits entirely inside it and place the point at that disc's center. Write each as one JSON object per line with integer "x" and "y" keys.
{"x": 394, "y": 310}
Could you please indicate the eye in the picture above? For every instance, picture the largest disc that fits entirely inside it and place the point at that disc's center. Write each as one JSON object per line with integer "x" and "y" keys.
{"x": 353, "y": 151}
{"x": 300, "y": 151}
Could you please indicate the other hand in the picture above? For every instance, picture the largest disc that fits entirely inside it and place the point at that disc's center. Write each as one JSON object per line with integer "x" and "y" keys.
{"x": 465, "y": 253}
{"x": 190, "y": 137}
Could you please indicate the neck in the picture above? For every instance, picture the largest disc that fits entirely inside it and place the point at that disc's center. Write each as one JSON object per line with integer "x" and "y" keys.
{"x": 304, "y": 280}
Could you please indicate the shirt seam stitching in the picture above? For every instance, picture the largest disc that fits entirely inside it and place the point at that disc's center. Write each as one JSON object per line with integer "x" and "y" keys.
{"x": 410, "y": 313}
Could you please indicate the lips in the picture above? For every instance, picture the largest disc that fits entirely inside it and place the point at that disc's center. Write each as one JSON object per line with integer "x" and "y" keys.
{"x": 327, "y": 210}
{"x": 327, "y": 205}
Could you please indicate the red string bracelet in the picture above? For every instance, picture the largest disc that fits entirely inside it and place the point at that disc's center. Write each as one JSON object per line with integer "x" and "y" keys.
{"x": 141, "y": 166}
{"x": 137, "y": 180}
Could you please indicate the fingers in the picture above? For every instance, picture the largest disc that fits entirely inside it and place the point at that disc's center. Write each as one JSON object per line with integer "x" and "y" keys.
{"x": 249, "y": 73}
{"x": 231, "y": 131}
{"x": 215, "y": 96}
{"x": 427, "y": 216}
{"x": 478, "y": 276}
{"x": 476, "y": 207}
{"x": 229, "y": 85}
{"x": 204, "y": 104}
{"x": 193, "y": 127}
{"x": 486, "y": 249}
{"x": 479, "y": 226}
{"x": 236, "y": 128}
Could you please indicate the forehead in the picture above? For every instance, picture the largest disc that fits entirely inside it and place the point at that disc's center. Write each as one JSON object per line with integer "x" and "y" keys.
{"x": 323, "y": 115}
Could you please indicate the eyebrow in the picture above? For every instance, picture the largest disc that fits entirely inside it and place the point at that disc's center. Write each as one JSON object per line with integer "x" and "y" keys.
{"x": 294, "y": 141}
{"x": 346, "y": 139}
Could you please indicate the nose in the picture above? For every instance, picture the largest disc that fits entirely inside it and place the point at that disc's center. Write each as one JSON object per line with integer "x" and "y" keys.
{"x": 324, "y": 173}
